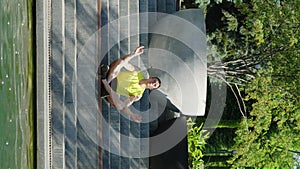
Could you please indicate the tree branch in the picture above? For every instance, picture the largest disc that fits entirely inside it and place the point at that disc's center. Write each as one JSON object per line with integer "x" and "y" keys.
{"x": 235, "y": 95}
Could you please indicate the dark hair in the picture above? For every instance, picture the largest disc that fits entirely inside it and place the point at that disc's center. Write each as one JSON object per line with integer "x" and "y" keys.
{"x": 159, "y": 81}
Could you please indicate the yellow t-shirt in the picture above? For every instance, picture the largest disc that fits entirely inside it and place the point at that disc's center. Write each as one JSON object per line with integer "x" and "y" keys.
{"x": 128, "y": 83}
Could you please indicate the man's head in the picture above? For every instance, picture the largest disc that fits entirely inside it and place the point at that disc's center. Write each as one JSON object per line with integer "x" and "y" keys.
{"x": 153, "y": 83}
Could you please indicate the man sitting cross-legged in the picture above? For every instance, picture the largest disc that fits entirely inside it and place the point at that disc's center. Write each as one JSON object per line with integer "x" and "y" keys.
{"x": 130, "y": 83}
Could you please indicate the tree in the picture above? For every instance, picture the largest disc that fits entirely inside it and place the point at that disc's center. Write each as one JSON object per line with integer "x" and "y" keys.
{"x": 272, "y": 138}
{"x": 253, "y": 34}
{"x": 257, "y": 42}
{"x": 267, "y": 58}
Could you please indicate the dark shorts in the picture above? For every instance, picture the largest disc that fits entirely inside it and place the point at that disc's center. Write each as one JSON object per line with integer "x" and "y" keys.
{"x": 113, "y": 84}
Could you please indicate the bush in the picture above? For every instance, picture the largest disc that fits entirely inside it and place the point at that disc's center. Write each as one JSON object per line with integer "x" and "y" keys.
{"x": 196, "y": 144}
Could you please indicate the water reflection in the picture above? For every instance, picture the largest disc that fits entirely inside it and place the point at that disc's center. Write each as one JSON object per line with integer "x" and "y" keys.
{"x": 14, "y": 95}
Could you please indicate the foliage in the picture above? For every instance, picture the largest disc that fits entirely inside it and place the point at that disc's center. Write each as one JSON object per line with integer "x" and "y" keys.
{"x": 273, "y": 136}
{"x": 258, "y": 42}
{"x": 261, "y": 51}
{"x": 196, "y": 144}
{"x": 252, "y": 35}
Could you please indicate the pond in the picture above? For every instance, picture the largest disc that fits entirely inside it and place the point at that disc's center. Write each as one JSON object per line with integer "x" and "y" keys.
{"x": 16, "y": 84}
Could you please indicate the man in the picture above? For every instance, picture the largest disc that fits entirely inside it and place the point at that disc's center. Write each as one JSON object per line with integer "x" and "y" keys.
{"x": 131, "y": 84}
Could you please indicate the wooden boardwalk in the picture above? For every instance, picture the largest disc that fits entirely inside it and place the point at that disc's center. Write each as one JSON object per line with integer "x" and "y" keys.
{"x": 75, "y": 128}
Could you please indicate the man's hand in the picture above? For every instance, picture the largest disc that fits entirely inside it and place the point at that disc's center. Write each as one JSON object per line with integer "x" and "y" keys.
{"x": 136, "y": 117}
{"x": 139, "y": 50}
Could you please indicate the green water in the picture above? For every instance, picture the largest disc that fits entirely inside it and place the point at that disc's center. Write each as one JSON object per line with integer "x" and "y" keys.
{"x": 16, "y": 74}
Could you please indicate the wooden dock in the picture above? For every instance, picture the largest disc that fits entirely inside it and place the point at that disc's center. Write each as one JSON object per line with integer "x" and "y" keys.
{"x": 70, "y": 116}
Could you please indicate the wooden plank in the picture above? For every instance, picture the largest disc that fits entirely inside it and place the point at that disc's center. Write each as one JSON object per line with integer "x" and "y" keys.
{"x": 69, "y": 69}
{"x": 57, "y": 84}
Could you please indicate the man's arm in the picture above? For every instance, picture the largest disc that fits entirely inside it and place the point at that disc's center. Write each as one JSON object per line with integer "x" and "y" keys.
{"x": 130, "y": 100}
{"x": 138, "y": 51}
{"x": 129, "y": 66}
